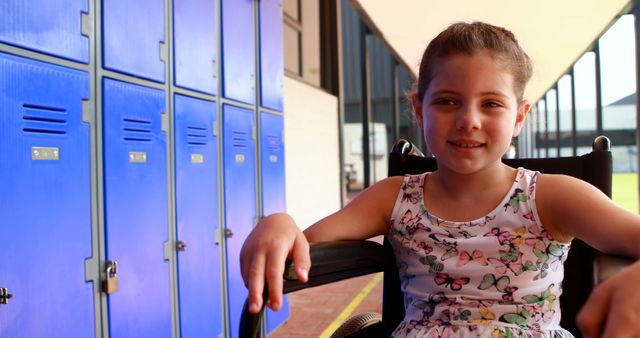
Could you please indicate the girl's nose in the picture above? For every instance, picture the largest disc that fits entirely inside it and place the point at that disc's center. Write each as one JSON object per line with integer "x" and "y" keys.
{"x": 468, "y": 119}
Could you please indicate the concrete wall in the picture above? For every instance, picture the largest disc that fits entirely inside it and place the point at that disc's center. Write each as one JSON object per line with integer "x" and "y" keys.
{"x": 311, "y": 152}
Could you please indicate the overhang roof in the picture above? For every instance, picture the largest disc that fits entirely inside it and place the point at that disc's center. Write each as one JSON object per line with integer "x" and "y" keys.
{"x": 555, "y": 33}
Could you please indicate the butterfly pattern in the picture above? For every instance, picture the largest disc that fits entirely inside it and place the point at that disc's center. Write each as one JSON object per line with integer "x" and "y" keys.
{"x": 497, "y": 276}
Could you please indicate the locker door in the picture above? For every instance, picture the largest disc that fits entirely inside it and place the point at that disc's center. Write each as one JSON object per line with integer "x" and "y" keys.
{"x": 48, "y": 26}
{"x": 45, "y": 200}
{"x": 240, "y": 200}
{"x": 271, "y": 55}
{"x": 273, "y": 187}
{"x": 136, "y": 223}
{"x": 238, "y": 51}
{"x": 133, "y": 36}
{"x": 195, "y": 41}
{"x": 197, "y": 218}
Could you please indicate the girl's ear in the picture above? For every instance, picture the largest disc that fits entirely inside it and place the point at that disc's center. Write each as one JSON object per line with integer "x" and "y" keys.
{"x": 523, "y": 111}
{"x": 417, "y": 109}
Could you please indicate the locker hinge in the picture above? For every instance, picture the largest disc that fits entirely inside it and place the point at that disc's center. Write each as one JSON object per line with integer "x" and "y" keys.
{"x": 86, "y": 20}
{"x": 164, "y": 121}
{"x": 216, "y": 128}
{"x": 87, "y": 112}
{"x": 168, "y": 250}
{"x": 215, "y": 69}
{"x": 164, "y": 52}
{"x": 91, "y": 270}
{"x": 253, "y": 132}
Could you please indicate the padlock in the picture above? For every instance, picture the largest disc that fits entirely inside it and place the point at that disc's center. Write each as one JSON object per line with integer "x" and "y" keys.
{"x": 110, "y": 285}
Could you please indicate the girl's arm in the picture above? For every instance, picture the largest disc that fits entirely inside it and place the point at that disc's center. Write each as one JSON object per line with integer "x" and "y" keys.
{"x": 574, "y": 208}
{"x": 277, "y": 236}
{"x": 569, "y": 207}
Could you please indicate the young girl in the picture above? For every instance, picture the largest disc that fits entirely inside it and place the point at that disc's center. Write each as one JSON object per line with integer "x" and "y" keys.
{"x": 479, "y": 245}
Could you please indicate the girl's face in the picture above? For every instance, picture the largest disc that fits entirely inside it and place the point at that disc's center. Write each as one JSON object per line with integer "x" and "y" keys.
{"x": 470, "y": 112}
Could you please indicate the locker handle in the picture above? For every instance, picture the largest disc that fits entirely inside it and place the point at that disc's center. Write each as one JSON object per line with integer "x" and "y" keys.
{"x": 228, "y": 233}
{"x": 5, "y": 296}
{"x": 181, "y": 246}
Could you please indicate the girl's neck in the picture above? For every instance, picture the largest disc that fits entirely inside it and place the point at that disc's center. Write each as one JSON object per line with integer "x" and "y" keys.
{"x": 494, "y": 179}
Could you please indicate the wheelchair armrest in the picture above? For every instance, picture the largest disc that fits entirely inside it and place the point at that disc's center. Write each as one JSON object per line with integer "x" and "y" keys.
{"x": 606, "y": 266}
{"x": 330, "y": 262}
{"x": 335, "y": 261}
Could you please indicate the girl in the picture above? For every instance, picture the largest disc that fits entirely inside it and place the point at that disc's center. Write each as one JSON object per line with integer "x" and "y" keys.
{"x": 480, "y": 245}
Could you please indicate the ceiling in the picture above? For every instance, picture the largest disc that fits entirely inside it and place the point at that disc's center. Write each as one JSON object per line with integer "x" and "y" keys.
{"x": 555, "y": 33}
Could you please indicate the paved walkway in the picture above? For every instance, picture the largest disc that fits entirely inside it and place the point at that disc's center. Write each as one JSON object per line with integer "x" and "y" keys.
{"x": 315, "y": 312}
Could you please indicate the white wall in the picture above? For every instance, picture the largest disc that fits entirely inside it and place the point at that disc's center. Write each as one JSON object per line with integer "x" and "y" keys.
{"x": 312, "y": 161}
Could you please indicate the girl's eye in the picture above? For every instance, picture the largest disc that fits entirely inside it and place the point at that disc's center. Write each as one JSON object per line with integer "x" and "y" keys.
{"x": 444, "y": 102}
{"x": 492, "y": 104}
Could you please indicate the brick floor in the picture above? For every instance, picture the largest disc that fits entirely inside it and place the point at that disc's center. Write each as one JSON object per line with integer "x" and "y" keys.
{"x": 314, "y": 309}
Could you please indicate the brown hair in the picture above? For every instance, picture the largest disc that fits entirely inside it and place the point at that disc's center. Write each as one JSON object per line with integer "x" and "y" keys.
{"x": 469, "y": 38}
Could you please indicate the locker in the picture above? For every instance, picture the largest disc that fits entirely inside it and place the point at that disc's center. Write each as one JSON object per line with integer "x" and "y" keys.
{"x": 196, "y": 163}
{"x": 271, "y": 56}
{"x": 133, "y": 37}
{"x": 240, "y": 200}
{"x": 238, "y": 51}
{"x": 273, "y": 187}
{"x": 195, "y": 41}
{"x": 45, "y": 201}
{"x": 49, "y": 26}
{"x": 136, "y": 220}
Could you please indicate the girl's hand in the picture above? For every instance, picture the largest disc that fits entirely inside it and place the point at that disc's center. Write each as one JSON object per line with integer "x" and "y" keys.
{"x": 263, "y": 256}
{"x": 613, "y": 309}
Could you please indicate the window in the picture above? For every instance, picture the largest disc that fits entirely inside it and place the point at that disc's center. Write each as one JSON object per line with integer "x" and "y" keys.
{"x": 301, "y": 39}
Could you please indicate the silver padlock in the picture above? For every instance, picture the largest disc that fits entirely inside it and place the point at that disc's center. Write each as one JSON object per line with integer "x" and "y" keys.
{"x": 110, "y": 285}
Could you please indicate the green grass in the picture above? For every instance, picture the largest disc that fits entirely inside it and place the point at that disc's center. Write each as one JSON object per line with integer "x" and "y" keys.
{"x": 624, "y": 190}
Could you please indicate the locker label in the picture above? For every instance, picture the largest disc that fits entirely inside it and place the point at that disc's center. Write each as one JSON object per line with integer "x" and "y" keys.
{"x": 137, "y": 157}
{"x": 239, "y": 158}
{"x": 197, "y": 158}
{"x": 45, "y": 153}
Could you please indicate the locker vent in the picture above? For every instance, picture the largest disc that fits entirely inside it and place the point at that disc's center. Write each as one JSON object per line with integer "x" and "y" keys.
{"x": 44, "y": 119}
{"x": 273, "y": 143}
{"x": 240, "y": 139}
{"x": 136, "y": 130}
{"x": 197, "y": 135}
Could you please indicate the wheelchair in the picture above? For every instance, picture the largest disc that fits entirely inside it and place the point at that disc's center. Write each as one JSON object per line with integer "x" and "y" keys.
{"x": 336, "y": 261}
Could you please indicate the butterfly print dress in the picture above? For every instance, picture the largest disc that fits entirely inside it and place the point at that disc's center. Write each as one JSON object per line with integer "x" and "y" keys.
{"x": 497, "y": 276}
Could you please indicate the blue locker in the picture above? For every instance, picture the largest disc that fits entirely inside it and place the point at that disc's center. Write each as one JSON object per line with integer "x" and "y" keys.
{"x": 136, "y": 220}
{"x": 196, "y": 163}
{"x": 238, "y": 51}
{"x": 273, "y": 187}
{"x": 240, "y": 200}
{"x": 195, "y": 41}
{"x": 133, "y": 31}
{"x": 49, "y": 26}
{"x": 271, "y": 55}
{"x": 45, "y": 200}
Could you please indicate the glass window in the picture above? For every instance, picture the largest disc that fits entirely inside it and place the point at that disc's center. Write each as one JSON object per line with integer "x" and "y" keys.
{"x": 352, "y": 98}
{"x": 564, "y": 111}
{"x": 382, "y": 130}
{"x": 291, "y": 8}
{"x": 301, "y": 40}
{"x": 584, "y": 73}
{"x": 552, "y": 125}
{"x": 292, "y": 49}
{"x": 618, "y": 70}
{"x": 617, "y": 66}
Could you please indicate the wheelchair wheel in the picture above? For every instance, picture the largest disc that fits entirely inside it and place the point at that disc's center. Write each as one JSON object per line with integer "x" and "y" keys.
{"x": 356, "y": 323}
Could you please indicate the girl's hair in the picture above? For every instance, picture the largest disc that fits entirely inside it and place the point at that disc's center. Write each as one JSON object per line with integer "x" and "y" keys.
{"x": 470, "y": 38}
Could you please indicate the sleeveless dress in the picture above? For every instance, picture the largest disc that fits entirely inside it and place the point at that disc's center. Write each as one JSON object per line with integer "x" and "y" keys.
{"x": 497, "y": 276}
